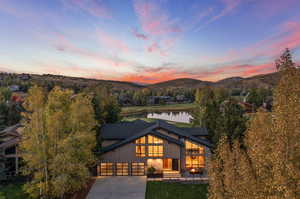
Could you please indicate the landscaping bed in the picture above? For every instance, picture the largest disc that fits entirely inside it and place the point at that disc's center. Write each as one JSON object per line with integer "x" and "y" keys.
{"x": 170, "y": 190}
{"x": 82, "y": 194}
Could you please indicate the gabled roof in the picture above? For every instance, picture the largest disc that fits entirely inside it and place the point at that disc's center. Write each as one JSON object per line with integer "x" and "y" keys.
{"x": 149, "y": 128}
{"x": 123, "y": 130}
{"x": 13, "y": 135}
{"x": 196, "y": 131}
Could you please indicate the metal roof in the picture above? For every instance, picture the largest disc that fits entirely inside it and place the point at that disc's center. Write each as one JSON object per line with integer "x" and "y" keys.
{"x": 129, "y": 131}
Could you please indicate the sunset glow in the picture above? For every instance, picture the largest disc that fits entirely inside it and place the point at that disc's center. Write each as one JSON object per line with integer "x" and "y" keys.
{"x": 147, "y": 41}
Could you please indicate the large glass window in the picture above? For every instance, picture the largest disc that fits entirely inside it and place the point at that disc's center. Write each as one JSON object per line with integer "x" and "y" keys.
{"x": 141, "y": 140}
{"x": 194, "y": 162}
{"x": 193, "y": 149}
{"x": 155, "y": 150}
{"x": 154, "y": 140}
{"x": 140, "y": 150}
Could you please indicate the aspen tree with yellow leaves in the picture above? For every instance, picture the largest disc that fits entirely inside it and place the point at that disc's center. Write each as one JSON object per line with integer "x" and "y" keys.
{"x": 57, "y": 142}
{"x": 266, "y": 163}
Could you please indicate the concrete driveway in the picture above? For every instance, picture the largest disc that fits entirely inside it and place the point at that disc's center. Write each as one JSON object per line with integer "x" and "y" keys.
{"x": 118, "y": 187}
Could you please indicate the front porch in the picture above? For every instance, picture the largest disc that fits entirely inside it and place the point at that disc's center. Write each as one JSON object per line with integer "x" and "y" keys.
{"x": 163, "y": 167}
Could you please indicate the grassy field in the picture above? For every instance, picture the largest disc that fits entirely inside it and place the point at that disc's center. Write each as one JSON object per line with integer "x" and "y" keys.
{"x": 131, "y": 110}
{"x": 165, "y": 190}
{"x": 178, "y": 124}
{"x": 12, "y": 191}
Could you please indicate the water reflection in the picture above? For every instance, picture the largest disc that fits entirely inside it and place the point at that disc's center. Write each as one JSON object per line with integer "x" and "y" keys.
{"x": 183, "y": 117}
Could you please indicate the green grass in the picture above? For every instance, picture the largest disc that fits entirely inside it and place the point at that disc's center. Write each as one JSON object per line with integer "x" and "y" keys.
{"x": 178, "y": 124}
{"x": 12, "y": 191}
{"x": 165, "y": 190}
{"x": 144, "y": 109}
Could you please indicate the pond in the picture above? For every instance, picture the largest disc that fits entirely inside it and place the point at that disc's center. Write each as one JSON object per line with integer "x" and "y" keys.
{"x": 183, "y": 117}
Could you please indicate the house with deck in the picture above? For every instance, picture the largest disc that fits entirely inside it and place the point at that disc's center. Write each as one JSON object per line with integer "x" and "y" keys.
{"x": 9, "y": 149}
{"x": 131, "y": 148}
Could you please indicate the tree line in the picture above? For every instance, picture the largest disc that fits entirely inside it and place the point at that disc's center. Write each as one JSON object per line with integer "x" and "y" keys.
{"x": 60, "y": 139}
{"x": 261, "y": 158}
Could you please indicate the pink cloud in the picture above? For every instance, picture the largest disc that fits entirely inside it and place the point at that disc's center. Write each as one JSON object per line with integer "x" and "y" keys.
{"x": 93, "y": 7}
{"x": 21, "y": 11}
{"x": 158, "y": 74}
{"x": 112, "y": 42}
{"x": 269, "y": 8}
{"x": 229, "y": 6}
{"x": 154, "y": 20}
{"x": 287, "y": 36}
{"x": 139, "y": 35}
{"x": 62, "y": 44}
{"x": 155, "y": 48}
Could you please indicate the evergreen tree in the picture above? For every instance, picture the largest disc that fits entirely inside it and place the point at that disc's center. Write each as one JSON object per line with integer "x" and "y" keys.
{"x": 107, "y": 109}
{"x": 2, "y": 159}
{"x": 230, "y": 122}
{"x": 285, "y": 60}
{"x": 220, "y": 115}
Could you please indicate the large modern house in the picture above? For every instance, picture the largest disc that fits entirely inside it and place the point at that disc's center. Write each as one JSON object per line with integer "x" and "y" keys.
{"x": 131, "y": 148}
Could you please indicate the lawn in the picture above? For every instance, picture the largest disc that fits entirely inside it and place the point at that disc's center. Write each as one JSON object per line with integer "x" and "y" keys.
{"x": 165, "y": 190}
{"x": 144, "y": 109}
{"x": 12, "y": 191}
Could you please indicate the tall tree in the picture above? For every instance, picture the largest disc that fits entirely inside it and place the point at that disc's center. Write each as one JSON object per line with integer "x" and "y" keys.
{"x": 285, "y": 60}
{"x": 57, "y": 141}
{"x": 266, "y": 162}
{"x": 107, "y": 109}
{"x": 10, "y": 111}
{"x": 34, "y": 145}
{"x": 219, "y": 114}
{"x": 230, "y": 122}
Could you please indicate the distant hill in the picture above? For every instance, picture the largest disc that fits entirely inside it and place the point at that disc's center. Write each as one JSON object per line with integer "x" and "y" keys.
{"x": 266, "y": 81}
{"x": 258, "y": 81}
{"x": 67, "y": 82}
{"x": 181, "y": 83}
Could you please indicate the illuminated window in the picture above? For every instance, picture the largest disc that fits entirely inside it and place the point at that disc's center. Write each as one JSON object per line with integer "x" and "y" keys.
{"x": 122, "y": 169}
{"x": 192, "y": 148}
{"x": 154, "y": 140}
{"x": 155, "y": 150}
{"x": 140, "y": 150}
{"x": 194, "y": 162}
{"x": 137, "y": 169}
{"x": 106, "y": 169}
{"x": 141, "y": 140}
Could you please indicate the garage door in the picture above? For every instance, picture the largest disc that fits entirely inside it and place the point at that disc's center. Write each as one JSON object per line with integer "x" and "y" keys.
{"x": 122, "y": 169}
{"x": 137, "y": 169}
{"x": 106, "y": 169}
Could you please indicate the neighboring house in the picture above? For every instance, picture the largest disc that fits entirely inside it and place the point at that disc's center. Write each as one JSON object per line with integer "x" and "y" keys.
{"x": 152, "y": 100}
{"x": 130, "y": 148}
{"x": 14, "y": 88}
{"x": 9, "y": 149}
{"x": 180, "y": 98}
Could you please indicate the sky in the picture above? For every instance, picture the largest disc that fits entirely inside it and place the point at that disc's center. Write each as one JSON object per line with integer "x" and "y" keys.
{"x": 147, "y": 41}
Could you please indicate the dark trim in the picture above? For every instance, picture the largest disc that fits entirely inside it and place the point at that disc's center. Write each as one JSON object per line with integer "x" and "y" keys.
{"x": 168, "y": 138}
{"x": 152, "y": 130}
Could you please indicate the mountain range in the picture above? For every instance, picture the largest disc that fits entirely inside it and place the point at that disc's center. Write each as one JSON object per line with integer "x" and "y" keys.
{"x": 258, "y": 81}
